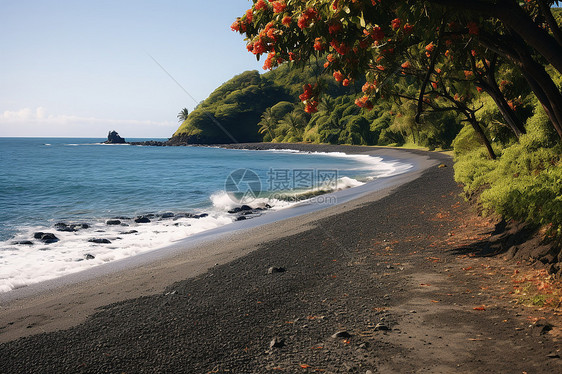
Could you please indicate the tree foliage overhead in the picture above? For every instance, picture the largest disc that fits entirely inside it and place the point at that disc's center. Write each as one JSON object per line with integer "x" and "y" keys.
{"x": 376, "y": 38}
{"x": 493, "y": 64}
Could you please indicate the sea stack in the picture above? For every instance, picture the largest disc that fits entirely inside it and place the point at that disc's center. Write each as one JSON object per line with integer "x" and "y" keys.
{"x": 114, "y": 138}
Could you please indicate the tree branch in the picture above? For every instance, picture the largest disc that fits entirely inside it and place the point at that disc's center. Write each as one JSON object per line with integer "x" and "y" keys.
{"x": 549, "y": 18}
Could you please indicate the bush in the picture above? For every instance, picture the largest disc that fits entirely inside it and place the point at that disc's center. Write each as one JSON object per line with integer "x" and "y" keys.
{"x": 524, "y": 183}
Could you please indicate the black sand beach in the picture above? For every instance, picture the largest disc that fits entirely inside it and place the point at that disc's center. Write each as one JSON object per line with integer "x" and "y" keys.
{"x": 387, "y": 283}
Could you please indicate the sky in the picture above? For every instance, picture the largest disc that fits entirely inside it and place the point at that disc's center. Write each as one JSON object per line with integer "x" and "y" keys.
{"x": 83, "y": 68}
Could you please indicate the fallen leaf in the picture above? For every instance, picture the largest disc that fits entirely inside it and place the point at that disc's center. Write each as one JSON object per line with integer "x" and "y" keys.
{"x": 468, "y": 268}
{"x": 305, "y": 366}
{"x": 479, "y": 308}
{"x": 434, "y": 301}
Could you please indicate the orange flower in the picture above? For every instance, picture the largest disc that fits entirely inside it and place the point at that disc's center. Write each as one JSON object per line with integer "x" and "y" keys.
{"x": 318, "y": 45}
{"x": 260, "y": 5}
{"x": 472, "y": 28}
{"x": 408, "y": 28}
{"x": 279, "y": 6}
{"x": 338, "y": 76}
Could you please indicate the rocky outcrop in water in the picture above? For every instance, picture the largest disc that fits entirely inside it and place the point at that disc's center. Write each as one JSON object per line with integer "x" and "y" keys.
{"x": 114, "y": 138}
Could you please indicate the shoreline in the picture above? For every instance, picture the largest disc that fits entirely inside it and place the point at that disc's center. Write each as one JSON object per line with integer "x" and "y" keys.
{"x": 38, "y": 295}
{"x": 162, "y": 228}
{"x": 388, "y": 282}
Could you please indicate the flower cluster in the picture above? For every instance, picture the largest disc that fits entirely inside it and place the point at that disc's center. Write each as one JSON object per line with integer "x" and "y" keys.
{"x": 308, "y": 97}
{"x": 364, "y": 102}
{"x": 279, "y": 6}
{"x": 307, "y": 18}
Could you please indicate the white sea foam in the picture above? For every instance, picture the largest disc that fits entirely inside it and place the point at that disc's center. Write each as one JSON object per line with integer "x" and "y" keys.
{"x": 21, "y": 265}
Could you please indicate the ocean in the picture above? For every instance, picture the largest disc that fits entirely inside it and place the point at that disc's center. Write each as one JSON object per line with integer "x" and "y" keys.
{"x": 71, "y": 204}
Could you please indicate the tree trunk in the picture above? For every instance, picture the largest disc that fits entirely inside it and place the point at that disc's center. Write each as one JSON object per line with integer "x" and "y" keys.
{"x": 544, "y": 88}
{"x": 476, "y": 126}
{"x": 514, "y": 123}
{"x": 511, "y": 14}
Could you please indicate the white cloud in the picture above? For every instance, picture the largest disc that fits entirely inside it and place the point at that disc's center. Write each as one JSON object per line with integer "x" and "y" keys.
{"x": 38, "y": 123}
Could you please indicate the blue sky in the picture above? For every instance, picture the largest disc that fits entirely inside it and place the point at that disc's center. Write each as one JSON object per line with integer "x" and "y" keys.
{"x": 82, "y": 68}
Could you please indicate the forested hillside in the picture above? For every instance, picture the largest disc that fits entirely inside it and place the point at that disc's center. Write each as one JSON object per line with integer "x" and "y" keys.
{"x": 252, "y": 107}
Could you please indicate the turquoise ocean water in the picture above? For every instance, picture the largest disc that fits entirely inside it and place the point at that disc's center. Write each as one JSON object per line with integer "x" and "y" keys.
{"x": 80, "y": 182}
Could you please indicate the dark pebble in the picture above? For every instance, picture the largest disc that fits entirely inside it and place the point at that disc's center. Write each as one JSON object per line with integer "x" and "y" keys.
{"x": 46, "y": 237}
{"x": 142, "y": 220}
{"x": 23, "y": 242}
{"x": 128, "y": 232}
{"x": 99, "y": 241}
{"x": 341, "y": 334}
{"x": 277, "y": 343}
{"x": 113, "y": 222}
{"x": 381, "y": 327}
{"x": 274, "y": 269}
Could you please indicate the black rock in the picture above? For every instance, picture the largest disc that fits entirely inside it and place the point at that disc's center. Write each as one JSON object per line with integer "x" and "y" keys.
{"x": 342, "y": 334}
{"x": 46, "y": 237}
{"x": 276, "y": 343}
{"x": 243, "y": 208}
{"x": 114, "y": 138}
{"x": 190, "y": 215}
{"x": 113, "y": 222}
{"x": 381, "y": 327}
{"x": 167, "y": 215}
{"x": 23, "y": 242}
{"x": 90, "y": 257}
{"x": 128, "y": 232}
{"x": 241, "y": 218}
{"x": 99, "y": 241}
{"x": 274, "y": 269}
{"x": 142, "y": 219}
{"x": 61, "y": 226}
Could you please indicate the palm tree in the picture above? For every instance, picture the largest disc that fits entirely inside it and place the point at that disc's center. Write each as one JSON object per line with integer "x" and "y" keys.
{"x": 182, "y": 115}
{"x": 267, "y": 123}
{"x": 295, "y": 122}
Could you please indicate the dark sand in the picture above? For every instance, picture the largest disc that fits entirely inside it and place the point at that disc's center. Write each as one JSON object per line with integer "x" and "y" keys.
{"x": 390, "y": 258}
